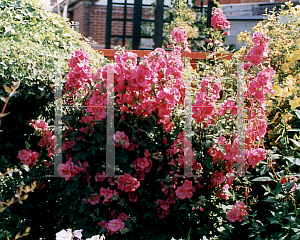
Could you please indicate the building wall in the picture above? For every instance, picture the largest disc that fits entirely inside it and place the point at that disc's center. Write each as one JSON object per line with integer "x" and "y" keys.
{"x": 239, "y": 1}
{"x": 98, "y": 22}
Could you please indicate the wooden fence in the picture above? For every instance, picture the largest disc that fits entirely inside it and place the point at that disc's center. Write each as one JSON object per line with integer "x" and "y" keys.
{"x": 110, "y": 53}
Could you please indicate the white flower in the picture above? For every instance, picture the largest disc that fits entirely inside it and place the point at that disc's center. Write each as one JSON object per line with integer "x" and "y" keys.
{"x": 64, "y": 235}
{"x": 78, "y": 233}
{"x": 173, "y": 238}
{"x": 96, "y": 237}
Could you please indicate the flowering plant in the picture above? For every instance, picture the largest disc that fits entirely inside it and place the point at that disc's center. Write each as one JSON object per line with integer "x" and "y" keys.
{"x": 280, "y": 173}
{"x": 153, "y": 191}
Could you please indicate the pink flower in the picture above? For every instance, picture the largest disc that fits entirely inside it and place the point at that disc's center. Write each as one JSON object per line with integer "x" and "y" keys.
{"x": 28, "y": 157}
{"x": 115, "y": 225}
{"x": 142, "y": 163}
{"x": 256, "y": 155}
{"x": 188, "y": 184}
{"x": 94, "y": 199}
{"x": 258, "y": 51}
{"x": 181, "y": 192}
{"x": 165, "y": 205}
{"x": 179, "y": 34}
{"x": 100, "y": 177}
{"x": 197, "y": 166}
{"x": 119, "y": 136}
{"x": 232, "y": 215}
{"x": 77, "y": 57}
{"x": 123, "y": 217}
{"x": 257, "y": 36}
{"x": 132, "y": 197}
{"x": 41, "y": 125}
{"x": 218, "y": 177}
{"x": 237, "y": 213}
{"x": 218, "y": 20}
{"x": 24, "y": 155}
{"x": 140, "y": 175}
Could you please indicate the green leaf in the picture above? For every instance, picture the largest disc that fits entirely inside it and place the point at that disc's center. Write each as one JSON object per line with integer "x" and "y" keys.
{"x": 4, "y": 114}
{"x": 4, "y": 99}
{"x": 282, "y": 140}
{"x": 262, "y": 179}
{"x": 100, "y": 137}
{"x": 27, "y": 145}
{"x": 184, "y": 207}
{"x": 189, "y": 235}
{"x": 82, "y": 208}
{"x": 293, "y": 160}
{"x": 80, "y": 156}
{"x": 297, "y": 113}
{"x": 288, "y": 186}
{"x": 278, "y": 188}
{"x": 295, "y": 142}
{"x": 7, "y": 89}
{"x": 93, "y": 149}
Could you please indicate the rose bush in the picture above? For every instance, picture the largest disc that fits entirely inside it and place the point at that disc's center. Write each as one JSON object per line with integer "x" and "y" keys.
{"x": 276, "y": 209}
{"x": 35, "y": 47}
{"x": 150, "y": 196}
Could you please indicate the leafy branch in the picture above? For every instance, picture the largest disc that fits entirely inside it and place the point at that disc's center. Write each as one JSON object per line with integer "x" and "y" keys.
{"x": 11, "y": 91}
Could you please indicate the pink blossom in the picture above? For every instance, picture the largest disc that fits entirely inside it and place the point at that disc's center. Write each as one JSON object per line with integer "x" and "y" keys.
{"x": 237, "y": 213}
{"x": 100, "y": 177}
{"x": 78, "y": 56}
{"x": 188, "y": 184}
{"x": 123, "y": 217}
{"x": 218, "y": 20}
{"x": 232, "y": 215}
{"x": 181, "y": 192}
{"x": 142, "y": 163}
{"x": 119, "y": 136}
{"x": 24, "y": 155}
{"x": 115, "y": 225}
{"x": 218, "y": 177}
{"x": 40, "y": 125}
{"x": 179, "y": 34}
{"x": 28, "y": 157}
{"x": 258, "y": 51}
{"x": 93, "y": 199}
{"x": 165, "y": 205}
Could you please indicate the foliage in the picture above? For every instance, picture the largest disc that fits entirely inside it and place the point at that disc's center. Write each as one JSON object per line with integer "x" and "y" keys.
{"x": 34, "y": 43}
{"x": 277, "y": 200}
{"x": 148, "y": 197}
{"x": 34, "y": 46}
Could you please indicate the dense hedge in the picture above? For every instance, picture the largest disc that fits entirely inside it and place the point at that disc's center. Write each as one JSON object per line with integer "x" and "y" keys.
{"x": 34, "y": 43}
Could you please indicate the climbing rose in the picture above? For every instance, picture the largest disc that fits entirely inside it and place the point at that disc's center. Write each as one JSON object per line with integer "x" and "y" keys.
{"x": 219, "y": 21}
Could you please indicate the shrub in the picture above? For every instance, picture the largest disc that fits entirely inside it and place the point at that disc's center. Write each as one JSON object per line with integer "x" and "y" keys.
{"x": 276, "y": 202}
{"x": 34, "y": 46}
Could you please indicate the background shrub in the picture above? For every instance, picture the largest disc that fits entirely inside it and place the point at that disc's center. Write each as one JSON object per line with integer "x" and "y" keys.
{"x": 34, "y": 44}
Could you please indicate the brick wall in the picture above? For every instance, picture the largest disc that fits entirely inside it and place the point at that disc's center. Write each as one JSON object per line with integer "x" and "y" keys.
{"x": 237, "y": 1}
{"x": 98, "y": 22}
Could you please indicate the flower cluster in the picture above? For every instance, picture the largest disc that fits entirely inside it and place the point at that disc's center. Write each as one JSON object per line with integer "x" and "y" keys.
{"x": 69, "y": 235}
{"x": 127, "y": 183}
{"x": 237, "y": 213}
{"x": 259, "y": 50}
{"x": 68, "y": 170}
{"x": 205, "y": 107}
{"x": 218, "y": 20}
{"x": 28, "y": 157}
{"x": 180, "y": 36}
{"x": 115, "y": 225}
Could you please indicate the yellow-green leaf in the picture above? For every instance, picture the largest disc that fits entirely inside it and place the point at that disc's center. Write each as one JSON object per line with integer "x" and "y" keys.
{"x": 7, "y": 89}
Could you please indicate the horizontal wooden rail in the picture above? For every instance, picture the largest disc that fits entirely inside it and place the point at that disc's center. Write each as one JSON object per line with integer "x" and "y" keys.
{"x": 110, "y": 53}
